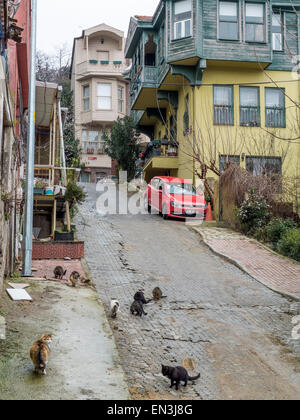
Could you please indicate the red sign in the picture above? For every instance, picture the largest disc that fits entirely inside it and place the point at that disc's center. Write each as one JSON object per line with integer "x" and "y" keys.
{"x": 92, "y": 158}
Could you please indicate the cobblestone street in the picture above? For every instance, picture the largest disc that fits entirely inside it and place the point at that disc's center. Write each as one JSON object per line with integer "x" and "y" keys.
{"x": 237, "y": 331}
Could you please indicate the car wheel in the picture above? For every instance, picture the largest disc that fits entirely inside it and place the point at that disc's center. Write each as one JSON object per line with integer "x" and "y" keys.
{"x": 147, "y": 205}
{"x": 165, "y": 212}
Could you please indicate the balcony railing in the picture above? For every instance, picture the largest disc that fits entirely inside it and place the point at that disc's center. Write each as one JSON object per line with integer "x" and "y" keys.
{"x": 223, "y": 115}
{"x": 275, "y": 117}
{"x": 160, "y": 148}
{"x": 92, "y": 148}
{"x": 145, "y": 75}
{"x": 250, "y": 116}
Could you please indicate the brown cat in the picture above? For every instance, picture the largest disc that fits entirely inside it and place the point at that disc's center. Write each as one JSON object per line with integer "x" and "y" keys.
{"x": 158, "y": 294}
{"x": 59, "y": 273}
{"x": 75, "y": 278}
{"x": 40, "y": 353}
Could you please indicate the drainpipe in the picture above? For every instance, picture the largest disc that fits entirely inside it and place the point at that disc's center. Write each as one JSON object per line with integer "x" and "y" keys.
{"x": 28, "y": 219}
{"x": 62, "y": 147}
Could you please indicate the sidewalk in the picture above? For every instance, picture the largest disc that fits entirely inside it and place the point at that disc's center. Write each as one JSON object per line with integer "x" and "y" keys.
{"x": 278, "y": 273}
{"x": 84, "y": 362}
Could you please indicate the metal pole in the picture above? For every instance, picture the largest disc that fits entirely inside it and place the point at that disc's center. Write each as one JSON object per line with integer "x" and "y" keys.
{"x": 28, "y": 220}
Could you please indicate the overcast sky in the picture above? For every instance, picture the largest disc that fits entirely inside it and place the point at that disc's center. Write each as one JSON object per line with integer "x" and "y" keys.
{"x": 59, "y": 21}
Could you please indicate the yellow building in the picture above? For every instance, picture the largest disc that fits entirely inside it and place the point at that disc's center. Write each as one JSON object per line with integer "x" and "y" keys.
{"x": 215, "y": 82}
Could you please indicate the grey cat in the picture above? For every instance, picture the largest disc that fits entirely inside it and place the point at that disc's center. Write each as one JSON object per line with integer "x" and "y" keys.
{"x": 59, "y": 273}
{"x": 137, "y": 308}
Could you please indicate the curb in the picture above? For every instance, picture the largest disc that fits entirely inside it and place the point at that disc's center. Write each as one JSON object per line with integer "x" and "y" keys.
{"x": 241, "y": 267}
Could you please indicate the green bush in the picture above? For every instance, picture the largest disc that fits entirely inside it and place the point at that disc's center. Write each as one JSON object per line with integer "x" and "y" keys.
{"x": 277, "y": 228}
{"x": 74, "y": 194}
{"x": 289, "y": 245}
{"x": 253, "y": 213}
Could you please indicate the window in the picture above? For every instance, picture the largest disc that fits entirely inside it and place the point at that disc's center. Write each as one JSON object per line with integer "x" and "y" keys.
{"x": 249, "y": 107}
{"x": 255, "y": 22}
{"x": 86, "y": 98}
{"x": 228, "y": 20}
{"x": 182, "y": 19}
{"x": 186, "y": 116}
{"x": 275, "y": 107}
{"x": 104, "y": 96}
{"x": 92, "y": 142}
{"x": 223, "y": 105}
{"x": 268, "y": 166}
{"x": 226, "y": 160}
{"x": 277, "y": 37}
{"x": 120, "y": 99}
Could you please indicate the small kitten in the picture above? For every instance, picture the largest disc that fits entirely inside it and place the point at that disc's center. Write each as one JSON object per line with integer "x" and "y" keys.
{"x": 74, "y": 278}
{"x": 40, "y": 353}
{"x": 158, "y": 294}
{"x": 114, "y": 308}
{"x": 137, "y": 308}
{"x": 59, "y": 273}
{"x": 177, "y": 375}
{"x": 139, "y": 296}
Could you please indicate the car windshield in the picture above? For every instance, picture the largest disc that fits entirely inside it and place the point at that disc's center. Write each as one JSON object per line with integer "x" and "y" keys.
{"x": 181, "y": 189}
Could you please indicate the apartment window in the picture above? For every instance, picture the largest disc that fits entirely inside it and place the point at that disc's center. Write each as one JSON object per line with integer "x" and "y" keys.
{"x": 92, "y": 142}
{"x": 277, "y": 35}
{"x": 104, "y": 101}
{"x": 223, "y": 105}
{"x": 249, "y": 107}
{"x": 255, "y": 22}
{"x": 228, "y": 20}
{"x": 275, "y": 107}
{"x": 264, "y": 165}
{"x": 227, "y": 160}
{"x": 120, "y": 99}
{"x": 86, "y": 98}
{"x": 182, "y": 19}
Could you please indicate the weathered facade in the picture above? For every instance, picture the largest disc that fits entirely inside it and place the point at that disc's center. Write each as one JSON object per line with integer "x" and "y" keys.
{"x": 217, "y": 78}
{"x": 14, "y": 83}
{"x": 100, "y": 94}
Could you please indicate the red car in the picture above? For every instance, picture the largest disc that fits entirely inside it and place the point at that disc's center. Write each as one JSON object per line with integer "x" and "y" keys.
{"x": 175, "y": 197}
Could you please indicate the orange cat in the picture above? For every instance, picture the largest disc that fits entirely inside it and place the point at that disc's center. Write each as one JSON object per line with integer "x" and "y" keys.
{"x": 40, "y": 353}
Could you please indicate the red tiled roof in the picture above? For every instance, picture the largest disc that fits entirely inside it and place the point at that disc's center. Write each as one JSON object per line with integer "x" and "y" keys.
{"x": 144, "y": 18}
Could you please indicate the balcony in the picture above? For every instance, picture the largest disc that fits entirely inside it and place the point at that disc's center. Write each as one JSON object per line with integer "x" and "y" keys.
{"x": 99, "y": 68}
{"x": 145, "y": 77}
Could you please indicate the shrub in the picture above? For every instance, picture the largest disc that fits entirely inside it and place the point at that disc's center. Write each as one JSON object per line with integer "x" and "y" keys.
{"x": 253, "y": 213}
{"x": 289, "y": 245}
{"x": 74, "y": 194}
{"x": 277, "y": 228}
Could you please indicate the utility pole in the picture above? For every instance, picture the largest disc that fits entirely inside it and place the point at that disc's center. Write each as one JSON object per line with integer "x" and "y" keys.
{"x": 28, "y": 220}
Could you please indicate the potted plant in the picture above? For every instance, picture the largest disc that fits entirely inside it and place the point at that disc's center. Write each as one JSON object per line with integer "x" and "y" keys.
{"x": 39, "y": 188}
{"x": 60, "y": 236}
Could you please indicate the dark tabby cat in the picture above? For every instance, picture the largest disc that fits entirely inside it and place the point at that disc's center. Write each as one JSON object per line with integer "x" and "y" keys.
{"x": 158, "y": 294}
{"x": 177, "y": 375}
{"x": 40, "y": 353}
{"x": 59, "y": 273}
{"x": 137, "y": 308}
{"x": 74, "y": 278}
{"x": 139, "y": 296}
